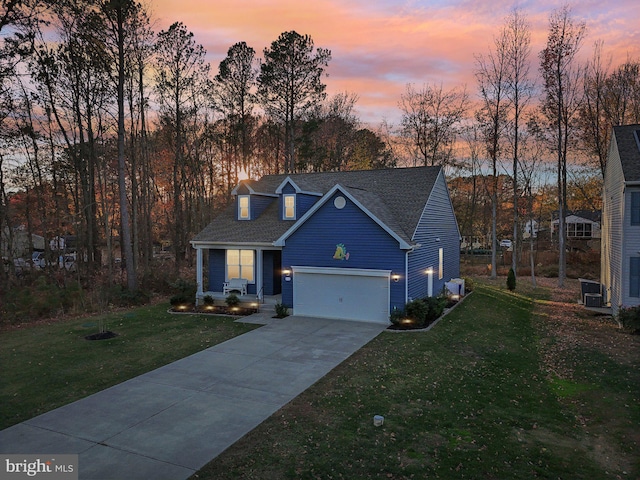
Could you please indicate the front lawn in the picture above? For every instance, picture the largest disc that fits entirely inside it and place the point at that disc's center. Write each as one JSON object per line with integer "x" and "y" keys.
{"x": 48, "y": 365}
{"x": 482, "y": 395}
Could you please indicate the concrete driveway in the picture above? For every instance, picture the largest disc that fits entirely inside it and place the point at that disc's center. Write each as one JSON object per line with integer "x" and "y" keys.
{"x": 168, "y": 423}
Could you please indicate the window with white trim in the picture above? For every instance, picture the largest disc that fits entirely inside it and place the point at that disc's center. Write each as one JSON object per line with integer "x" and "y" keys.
{"x": 243, "y": 207}
{"x": 240, "y": 264}
{"x": 634, "y": 277}
{"x": 635, "y": 208}
{"x": 289, "y": 207}
{"x": 440, "y": 263}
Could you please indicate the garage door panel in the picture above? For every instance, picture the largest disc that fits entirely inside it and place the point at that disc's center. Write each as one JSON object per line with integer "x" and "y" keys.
{"x": 342, "y": 296}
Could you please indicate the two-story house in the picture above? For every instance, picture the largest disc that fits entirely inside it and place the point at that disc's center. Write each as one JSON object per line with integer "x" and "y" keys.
{"x": 350, "y": 245}
{"x": 620, "y": 254}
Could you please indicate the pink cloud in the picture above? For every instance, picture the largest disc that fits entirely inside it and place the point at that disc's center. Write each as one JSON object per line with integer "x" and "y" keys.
{"x": 377, "y": 49}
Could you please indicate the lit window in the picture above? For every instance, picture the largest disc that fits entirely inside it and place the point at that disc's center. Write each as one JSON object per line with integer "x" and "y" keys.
{"x": 289, "y": 207}
{"x": 243, "y": 207}
{"x": 240, "y": 264}
{"x": 440, "y": 263}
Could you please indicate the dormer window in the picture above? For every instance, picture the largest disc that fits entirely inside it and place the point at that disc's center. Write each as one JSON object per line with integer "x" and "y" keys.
{"x": 289, "y": 205}
{"x": 243, "y": 207}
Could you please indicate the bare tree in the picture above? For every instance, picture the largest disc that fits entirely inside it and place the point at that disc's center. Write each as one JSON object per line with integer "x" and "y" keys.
{"x": 116, "y": 13}
{"x": 519, "y": 92}
{"x": 491, "y": 74}
{"x": 431, "y": 118}
{"x": 561, "y": 101}
{"x": 595, "y": 127}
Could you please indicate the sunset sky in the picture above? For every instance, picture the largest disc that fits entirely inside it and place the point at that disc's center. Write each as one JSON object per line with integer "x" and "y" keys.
{"x": 379, "y": 46}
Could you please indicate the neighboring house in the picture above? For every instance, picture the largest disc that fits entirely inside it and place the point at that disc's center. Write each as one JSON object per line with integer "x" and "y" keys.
{"x": 582, "y": 224}
{"x": 582, "y": 227}
{"x": 350, "y": 245}
{"x": 531, "y": 228}
{"x": 18, "y": 239}
{"x": 620, "y": 252}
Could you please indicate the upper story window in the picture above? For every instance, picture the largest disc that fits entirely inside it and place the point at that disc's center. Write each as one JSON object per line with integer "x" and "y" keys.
{"x": 243, "y": 207}
{"x": 289, "y": 205}
{"x": 635, "y": 208}
{"x": 634, "y": 277}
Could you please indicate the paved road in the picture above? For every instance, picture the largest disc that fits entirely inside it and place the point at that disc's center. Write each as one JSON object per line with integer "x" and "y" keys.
{"x": 168, "y": 423}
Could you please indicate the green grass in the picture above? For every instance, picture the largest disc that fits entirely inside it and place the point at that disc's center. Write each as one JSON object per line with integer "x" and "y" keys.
{"x": 49, "y": 365}
{"x": 468, "y": 399}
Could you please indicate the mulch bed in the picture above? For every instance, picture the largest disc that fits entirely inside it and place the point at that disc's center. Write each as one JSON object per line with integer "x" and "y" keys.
{"x": 215, "y": 310}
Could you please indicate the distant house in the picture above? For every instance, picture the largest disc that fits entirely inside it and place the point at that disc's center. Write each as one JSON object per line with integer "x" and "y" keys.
{"x": 620, "y": 252}
{"x": 581, "y": 224}
{"x": 531, "y": 229}
{"x": 348, "y": 245}
{"x": 15, "y": 243}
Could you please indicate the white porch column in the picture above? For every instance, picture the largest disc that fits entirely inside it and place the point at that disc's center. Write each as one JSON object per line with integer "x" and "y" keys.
{"x": 430, "y": 282}
{"x": 199, "y": 272}
{"x": 259, "y": 268}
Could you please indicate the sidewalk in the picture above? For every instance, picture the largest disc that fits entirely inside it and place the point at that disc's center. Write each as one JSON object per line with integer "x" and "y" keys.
{"x": 168, "y": 423}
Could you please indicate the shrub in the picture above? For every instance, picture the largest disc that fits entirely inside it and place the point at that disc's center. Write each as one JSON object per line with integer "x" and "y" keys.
{"x": 396, "y": 316}
{"x": 179, "y": 299}
{"x": 468, "y": 284}
{"x": 629, "y": 319}
{"x": 208, "y": 300}
{"x": 417, "y": 311}
{"x": 282, "y": 310}
{"x": 435, "y": 308}
{"x": 185, "y": 287}
{"x": 511, "y": 280}
{"x": 232, "y": 300}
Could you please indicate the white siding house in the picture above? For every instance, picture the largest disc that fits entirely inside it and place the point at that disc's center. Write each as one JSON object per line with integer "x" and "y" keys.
{"x": 620, "y": 242}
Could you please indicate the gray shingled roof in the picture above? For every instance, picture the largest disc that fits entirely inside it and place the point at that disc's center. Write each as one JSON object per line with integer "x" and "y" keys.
{"x": 397, "y": 197}
{"x": 627, "y": 137}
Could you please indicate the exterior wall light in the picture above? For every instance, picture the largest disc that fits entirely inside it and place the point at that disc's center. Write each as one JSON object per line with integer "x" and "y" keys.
{"x": 395, "y": 277}
{"x": 287, "y": 275}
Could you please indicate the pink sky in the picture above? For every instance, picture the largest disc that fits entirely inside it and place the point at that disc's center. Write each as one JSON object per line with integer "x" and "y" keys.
{"x": 379, "y": 46}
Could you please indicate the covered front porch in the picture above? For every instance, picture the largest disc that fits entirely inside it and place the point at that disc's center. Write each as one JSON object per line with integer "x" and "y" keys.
{"x": 260, "y": 266}
{"x": 267, "y": 302}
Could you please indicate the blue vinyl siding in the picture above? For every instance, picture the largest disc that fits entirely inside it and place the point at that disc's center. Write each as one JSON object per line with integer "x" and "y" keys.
{"x": 271, "y": 272}
{"x": 303, "y": 201}
{"x": 217, "y": 260}
{"x": 258, "y": 204}
{"x": 438, "y": 222}
{"x": 368, "y": 246}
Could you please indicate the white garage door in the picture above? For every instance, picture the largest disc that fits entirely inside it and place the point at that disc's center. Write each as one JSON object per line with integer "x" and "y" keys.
{"x": 342, "y": 293}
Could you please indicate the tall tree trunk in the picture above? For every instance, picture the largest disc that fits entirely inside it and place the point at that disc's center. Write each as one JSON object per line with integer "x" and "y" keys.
{"x": 127, "y": 248}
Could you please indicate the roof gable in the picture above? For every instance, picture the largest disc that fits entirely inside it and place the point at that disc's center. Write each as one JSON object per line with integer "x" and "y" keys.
{"x": 403, "y": 242}
{"x": 289, "y": 181}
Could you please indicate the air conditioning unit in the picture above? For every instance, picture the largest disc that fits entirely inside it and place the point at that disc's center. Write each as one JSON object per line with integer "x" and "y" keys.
{"x": 592, "y": 300}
